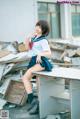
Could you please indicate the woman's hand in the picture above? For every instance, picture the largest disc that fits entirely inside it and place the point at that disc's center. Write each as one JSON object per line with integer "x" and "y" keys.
{"x": 26, "y": 43}
{"x": 38, "y": 59}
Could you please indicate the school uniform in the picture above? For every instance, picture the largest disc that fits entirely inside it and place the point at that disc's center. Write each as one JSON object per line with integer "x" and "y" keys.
{"x": 38, "y": 45}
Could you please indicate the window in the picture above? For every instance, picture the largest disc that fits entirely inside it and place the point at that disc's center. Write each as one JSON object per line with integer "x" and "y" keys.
{"x": 51, "y": 13}
{"x": 75, "y": 20}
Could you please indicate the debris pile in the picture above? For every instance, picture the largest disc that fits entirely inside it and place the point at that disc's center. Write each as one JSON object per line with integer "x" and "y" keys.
{"x": 13, "y": 62}
{"x": 14, "y": 59}
{"x": 66, "y": 52}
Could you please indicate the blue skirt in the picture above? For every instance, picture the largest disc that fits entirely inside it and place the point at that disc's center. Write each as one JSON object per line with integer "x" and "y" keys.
{"x": 45, "y": 63}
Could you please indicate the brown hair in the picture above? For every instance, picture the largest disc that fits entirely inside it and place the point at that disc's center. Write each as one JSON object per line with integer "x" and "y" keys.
{"x": 44, "y": 27}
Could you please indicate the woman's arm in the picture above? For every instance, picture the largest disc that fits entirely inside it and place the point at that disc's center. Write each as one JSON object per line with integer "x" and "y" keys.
{"x": 26, "y": 43}
{"x": 46, "y": 50}
{"x": 45, "y": 53}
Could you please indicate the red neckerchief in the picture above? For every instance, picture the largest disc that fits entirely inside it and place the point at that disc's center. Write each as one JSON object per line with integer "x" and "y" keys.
{"x": 35, "y": 39}
{"x": 31, "y": 45}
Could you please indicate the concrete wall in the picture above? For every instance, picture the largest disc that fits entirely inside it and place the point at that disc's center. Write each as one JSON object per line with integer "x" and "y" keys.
{"x": 17, "y": 19}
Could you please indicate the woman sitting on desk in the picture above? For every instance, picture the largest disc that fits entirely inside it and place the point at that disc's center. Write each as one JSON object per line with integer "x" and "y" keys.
{"x": 40, "y": 50}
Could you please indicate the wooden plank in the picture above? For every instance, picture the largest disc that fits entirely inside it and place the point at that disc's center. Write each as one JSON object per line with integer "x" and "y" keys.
{"x": 2, "y": 103}
{"x": 4, "y": 53}
{"x": 16, "y": 93}
{"x": 76, "y": 61}
{"x": 2, "y": 66}
{"x": 71, "y": 43}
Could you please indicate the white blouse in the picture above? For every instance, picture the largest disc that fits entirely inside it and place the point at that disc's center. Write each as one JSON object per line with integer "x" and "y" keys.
{"x": 39, "y": 47}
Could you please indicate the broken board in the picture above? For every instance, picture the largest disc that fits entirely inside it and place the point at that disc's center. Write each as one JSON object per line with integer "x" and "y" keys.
{"x": 16, "y": 93}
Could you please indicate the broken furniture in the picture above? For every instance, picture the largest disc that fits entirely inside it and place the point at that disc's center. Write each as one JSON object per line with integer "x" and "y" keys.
{"x": 13, "y": 62}
{"x": 52, "y": 95}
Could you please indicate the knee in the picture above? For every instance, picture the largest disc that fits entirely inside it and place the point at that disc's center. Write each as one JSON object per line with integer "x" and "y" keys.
{"x": 27, "y": 75}
{"x": 29, "y": 72}
{"x": 23, "y": 77}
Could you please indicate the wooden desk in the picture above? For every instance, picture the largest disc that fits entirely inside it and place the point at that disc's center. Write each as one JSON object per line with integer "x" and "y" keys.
{"x": 52, "y": 96}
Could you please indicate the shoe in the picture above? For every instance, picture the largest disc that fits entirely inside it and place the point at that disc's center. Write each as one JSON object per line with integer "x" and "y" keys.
{"x": 32, "y": 104}
{"x": 35, "y": 109}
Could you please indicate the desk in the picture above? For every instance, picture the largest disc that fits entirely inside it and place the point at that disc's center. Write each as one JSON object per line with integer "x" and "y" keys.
{"x": 51, "y": 94}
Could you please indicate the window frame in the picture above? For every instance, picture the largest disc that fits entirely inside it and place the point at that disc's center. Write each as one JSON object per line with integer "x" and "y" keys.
{"x": 74, "y": 13}
{"x": 50, "y": 19}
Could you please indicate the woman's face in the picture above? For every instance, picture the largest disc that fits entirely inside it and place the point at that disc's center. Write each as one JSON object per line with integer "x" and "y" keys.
{"x": 38, "y": 30}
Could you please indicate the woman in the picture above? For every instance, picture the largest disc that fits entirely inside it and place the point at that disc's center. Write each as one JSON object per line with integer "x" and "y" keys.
{"x": 40, "y": 51}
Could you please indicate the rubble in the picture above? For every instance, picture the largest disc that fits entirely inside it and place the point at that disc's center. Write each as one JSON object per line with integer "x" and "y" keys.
{"x": 16, "y": 93}
{"x": 14, "y": 59}
{"x": 2, "y": 103}
{"x": 10, "y": 60}
{"x": 64, "y": 52}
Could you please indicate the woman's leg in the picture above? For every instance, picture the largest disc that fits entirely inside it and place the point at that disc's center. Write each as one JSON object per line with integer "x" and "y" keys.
{"x": 27, "y": 77}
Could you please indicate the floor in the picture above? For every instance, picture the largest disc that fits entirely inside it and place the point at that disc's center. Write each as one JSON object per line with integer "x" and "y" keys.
{"x": 19, "y": 112}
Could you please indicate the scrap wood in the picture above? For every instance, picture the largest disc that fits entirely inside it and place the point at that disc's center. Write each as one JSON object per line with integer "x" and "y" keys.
{"x": 9, "y": 57}
{"x": 8, "y": 68}
{"x": 74, "y": 53}
{"x": 16, "y": 93}
{"x": 2, "y": 103}
{"x": 66, "y": 64}
{"x": 4, "y": 53}
{"x": 4, "y": 87}
{"x": 2, "y": 67}
{"x": 78, "y": 51}
{"x": 18, "y": 57}
{"x": 21, "y": 47}
{"x": 71, "y": 43}
{"x": 76, "y": 60}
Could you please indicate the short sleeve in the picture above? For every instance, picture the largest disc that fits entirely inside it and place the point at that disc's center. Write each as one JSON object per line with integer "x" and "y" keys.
{"x": 44, "y": 44}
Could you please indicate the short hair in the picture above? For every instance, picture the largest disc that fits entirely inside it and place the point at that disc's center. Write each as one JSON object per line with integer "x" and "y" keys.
{"x": 44, "y": 27}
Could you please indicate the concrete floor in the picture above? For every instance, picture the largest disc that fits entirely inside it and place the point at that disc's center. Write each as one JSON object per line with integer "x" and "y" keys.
{"x": 20, "y": 112}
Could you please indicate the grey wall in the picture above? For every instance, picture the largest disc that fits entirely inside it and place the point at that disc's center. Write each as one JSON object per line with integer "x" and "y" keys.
{"x": 17, "y": 19}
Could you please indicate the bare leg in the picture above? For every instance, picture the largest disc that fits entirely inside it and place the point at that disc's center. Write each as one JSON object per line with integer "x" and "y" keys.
{"x": 28, "y": 75}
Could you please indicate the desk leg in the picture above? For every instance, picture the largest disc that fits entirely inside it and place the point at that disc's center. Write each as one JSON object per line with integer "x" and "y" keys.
{"x": 47, "y": 87}
{"x": 75, "y": 99}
